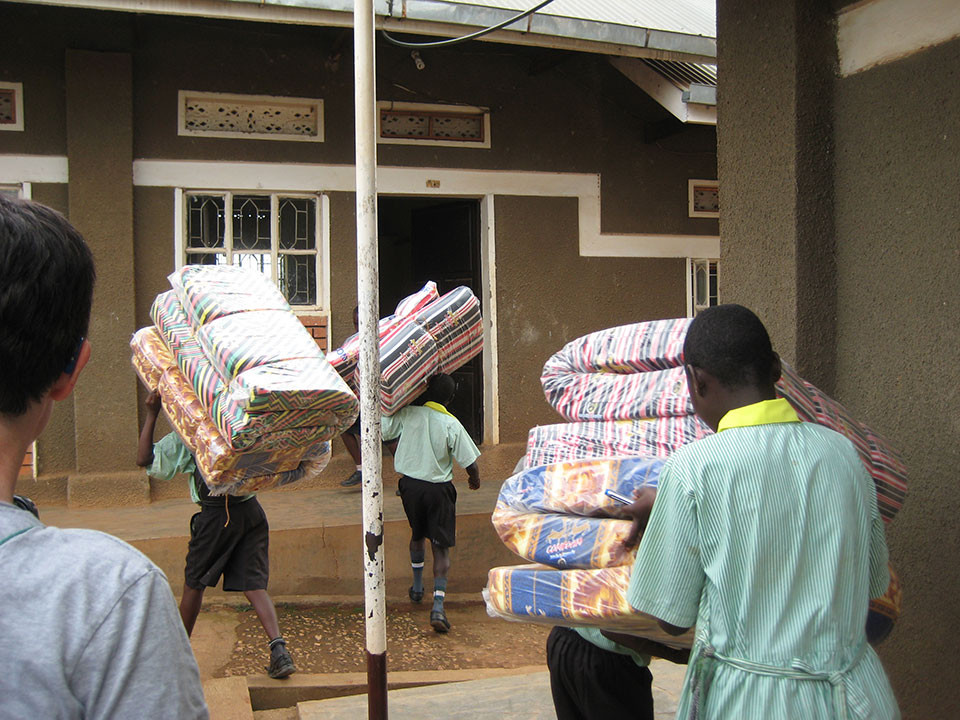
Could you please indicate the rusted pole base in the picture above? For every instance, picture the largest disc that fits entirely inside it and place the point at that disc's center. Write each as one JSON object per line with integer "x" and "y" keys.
{"x": 376, "y": 686}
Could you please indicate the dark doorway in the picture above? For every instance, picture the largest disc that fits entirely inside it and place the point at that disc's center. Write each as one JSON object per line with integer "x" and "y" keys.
{"x": 435, "y": 239}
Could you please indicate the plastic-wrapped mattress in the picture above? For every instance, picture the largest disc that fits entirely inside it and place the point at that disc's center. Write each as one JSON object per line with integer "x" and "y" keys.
{"x": 634, "y": 372}
{"x": 426, "y": 335}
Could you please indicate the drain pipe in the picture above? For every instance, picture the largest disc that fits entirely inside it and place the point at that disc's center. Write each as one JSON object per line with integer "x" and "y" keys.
{"x": 369, "y": 314}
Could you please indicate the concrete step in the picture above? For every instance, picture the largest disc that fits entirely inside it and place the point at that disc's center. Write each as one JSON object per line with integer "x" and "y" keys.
{"x": 479, "y": 694}
{"x": 524, "y": 696}
{"x": 228, "y": 698}
{"x": 303, "y": 687}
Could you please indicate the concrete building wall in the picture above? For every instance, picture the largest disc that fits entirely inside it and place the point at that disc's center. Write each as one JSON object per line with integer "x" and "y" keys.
{"x": 883, "y": 278}
{"x": 898, "y": 287}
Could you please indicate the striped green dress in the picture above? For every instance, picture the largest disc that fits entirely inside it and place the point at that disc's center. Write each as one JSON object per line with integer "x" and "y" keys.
{"x": 766, "y": 536}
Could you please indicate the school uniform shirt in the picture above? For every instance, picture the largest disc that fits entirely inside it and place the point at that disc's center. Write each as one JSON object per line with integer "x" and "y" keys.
{"x": 767, "y": 537}
{"x": 594, "y": 636}
{"x": 430, "y": 440}
{"x": 171, "y": 458}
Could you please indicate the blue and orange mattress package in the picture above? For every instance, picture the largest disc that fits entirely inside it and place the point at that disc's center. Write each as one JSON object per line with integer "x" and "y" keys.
{"x": 241, "y": 380}
{"x": 427, "y": 334}
{"x": 624, "y": 396}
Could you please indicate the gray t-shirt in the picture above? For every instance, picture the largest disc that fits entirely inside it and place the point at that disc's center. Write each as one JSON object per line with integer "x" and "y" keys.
{"x": 88, "y": 629}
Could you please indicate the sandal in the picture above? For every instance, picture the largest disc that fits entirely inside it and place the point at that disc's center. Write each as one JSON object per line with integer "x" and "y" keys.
{"x": 415, "y": 595}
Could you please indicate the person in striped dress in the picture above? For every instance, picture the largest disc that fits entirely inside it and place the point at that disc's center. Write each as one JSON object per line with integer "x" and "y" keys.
{"x": 766, "y": 536}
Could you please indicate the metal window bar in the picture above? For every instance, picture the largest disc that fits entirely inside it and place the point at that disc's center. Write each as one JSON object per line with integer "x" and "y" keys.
{"x": 233, "y": 255}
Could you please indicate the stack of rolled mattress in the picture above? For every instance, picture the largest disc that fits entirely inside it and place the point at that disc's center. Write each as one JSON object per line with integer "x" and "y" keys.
{"x": 241, "y": 380}
{"x": 426, "y": 335}
{"x": 624, "y": 392}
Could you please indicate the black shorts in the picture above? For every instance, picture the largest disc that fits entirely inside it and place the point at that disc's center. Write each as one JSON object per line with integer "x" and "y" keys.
{"x": 238, "y": 551}
{"x": 353, "y": 429}
{"x": 590, "y": 683}
{"x": 431, "y": 510}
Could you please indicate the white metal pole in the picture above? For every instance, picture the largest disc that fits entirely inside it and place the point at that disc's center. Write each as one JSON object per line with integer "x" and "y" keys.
{"x": 369, "y": 314}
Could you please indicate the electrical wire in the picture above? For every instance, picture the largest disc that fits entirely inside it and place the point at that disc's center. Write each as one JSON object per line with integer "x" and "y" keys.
{"x": 464, "y": 38}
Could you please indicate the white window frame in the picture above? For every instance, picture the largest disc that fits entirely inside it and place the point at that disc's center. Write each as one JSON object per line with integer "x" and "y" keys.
{"x": 321, "y": 235}
{"x": 23, "y": 190}
{"x": 691, "y": 209}
{"x": 692, "y": 264}
{"x": 17, "y": 88}
{"x": 435, "y": 108}
{"x": 182, "y": 128}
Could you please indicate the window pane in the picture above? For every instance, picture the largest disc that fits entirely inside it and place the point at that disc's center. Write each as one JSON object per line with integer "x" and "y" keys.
{"x": 205, "y": 221}
{"x": 700, "y": 293}
{"x": 251, "y": 222}
{"x": 298, "y": 279}
{"x": 253, "y": 261}
{"x": 298, "y": 224}
{"x": 206, "y": 259}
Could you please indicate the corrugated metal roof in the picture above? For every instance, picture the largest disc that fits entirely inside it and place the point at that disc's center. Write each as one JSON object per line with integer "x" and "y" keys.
{"x": 684, "y": 74}
{"x": 690, "y": 17}
{"x": 668, "y": 29}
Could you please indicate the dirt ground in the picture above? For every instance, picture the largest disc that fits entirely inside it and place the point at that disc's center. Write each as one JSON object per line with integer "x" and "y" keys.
{"x": 329, "y": 638}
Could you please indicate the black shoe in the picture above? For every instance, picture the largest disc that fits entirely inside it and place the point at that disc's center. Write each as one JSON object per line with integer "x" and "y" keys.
{"x": 354, "y": 479}
{"x": 439, "y": 622}
{"x": 415, "y": 595}
{"x": 281, "y": 664}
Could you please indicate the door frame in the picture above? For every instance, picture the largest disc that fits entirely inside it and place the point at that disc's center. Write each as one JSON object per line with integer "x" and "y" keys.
{"x": 488, "y": 288}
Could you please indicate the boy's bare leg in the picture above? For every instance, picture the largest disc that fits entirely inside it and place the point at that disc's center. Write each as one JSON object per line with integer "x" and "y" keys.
{"x": 265, "y": 610}
{"x": 190, "y": 603}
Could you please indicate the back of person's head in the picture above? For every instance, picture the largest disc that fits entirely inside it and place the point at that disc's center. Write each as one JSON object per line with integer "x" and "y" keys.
{"x": 46, "y": 290}
{"x": 441, "y": 389}
{"x": 731, "y": 343}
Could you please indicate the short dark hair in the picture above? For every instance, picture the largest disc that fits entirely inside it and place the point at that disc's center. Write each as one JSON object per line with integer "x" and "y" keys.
{"x": 441, "y": 388}
{"x": 730, "y": 343}
{"x": 46, "y": 291}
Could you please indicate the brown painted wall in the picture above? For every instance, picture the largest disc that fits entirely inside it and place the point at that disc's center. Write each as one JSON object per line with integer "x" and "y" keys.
{"x": 898, "y": 286}
{"x": 538, "y": 312}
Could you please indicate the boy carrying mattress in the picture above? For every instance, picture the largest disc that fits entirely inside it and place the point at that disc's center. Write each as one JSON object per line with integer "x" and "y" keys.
{"x": 429, "y": 439}
{"x": 229, "y": 537}
{"x": 766, "y": 536}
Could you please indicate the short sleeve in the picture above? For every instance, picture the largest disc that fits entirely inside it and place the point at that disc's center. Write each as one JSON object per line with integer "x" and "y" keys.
{"x": 391, "y": 425}
{"x": 461, "y": 445}
{"x": 668, "y": 574}
{"x": 170, "y": 458}
{"x": 139, "y": 663}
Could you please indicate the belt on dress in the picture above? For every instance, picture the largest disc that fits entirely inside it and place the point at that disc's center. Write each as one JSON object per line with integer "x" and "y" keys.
{"x": 798, "y": 670}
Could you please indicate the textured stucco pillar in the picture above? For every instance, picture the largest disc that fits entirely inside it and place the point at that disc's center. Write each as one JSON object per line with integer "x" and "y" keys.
{"x": 99, "y": 102}
{"x": 775, "y": 165}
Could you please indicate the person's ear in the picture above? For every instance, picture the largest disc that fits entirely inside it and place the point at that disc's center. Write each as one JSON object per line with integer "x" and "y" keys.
{"x": 696, "y": 381}
{"x": 776, "y": 369}
{"x": 64, "y": 384}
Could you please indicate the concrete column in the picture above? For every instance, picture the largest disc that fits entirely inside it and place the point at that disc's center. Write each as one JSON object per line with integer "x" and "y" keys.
{"x": 99, "y": 101}
{"x": 775, "y": 163}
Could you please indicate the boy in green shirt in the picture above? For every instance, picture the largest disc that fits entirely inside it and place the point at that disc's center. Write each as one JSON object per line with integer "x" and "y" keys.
{"x": 766, "y": 536}
{"x": 229, "y": 537}
{"x": 429, "y": 439}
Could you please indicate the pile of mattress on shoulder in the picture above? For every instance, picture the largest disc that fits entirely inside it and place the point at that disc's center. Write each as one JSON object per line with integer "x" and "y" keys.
{"x": 241, "y": 380}
{"x": 625, "y": 396}
{"x": 427, "y": 334}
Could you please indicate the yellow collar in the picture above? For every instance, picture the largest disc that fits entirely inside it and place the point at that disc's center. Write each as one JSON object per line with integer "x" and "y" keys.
{"x": 765, "y": 412}
{"x": 438, "y": 407}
